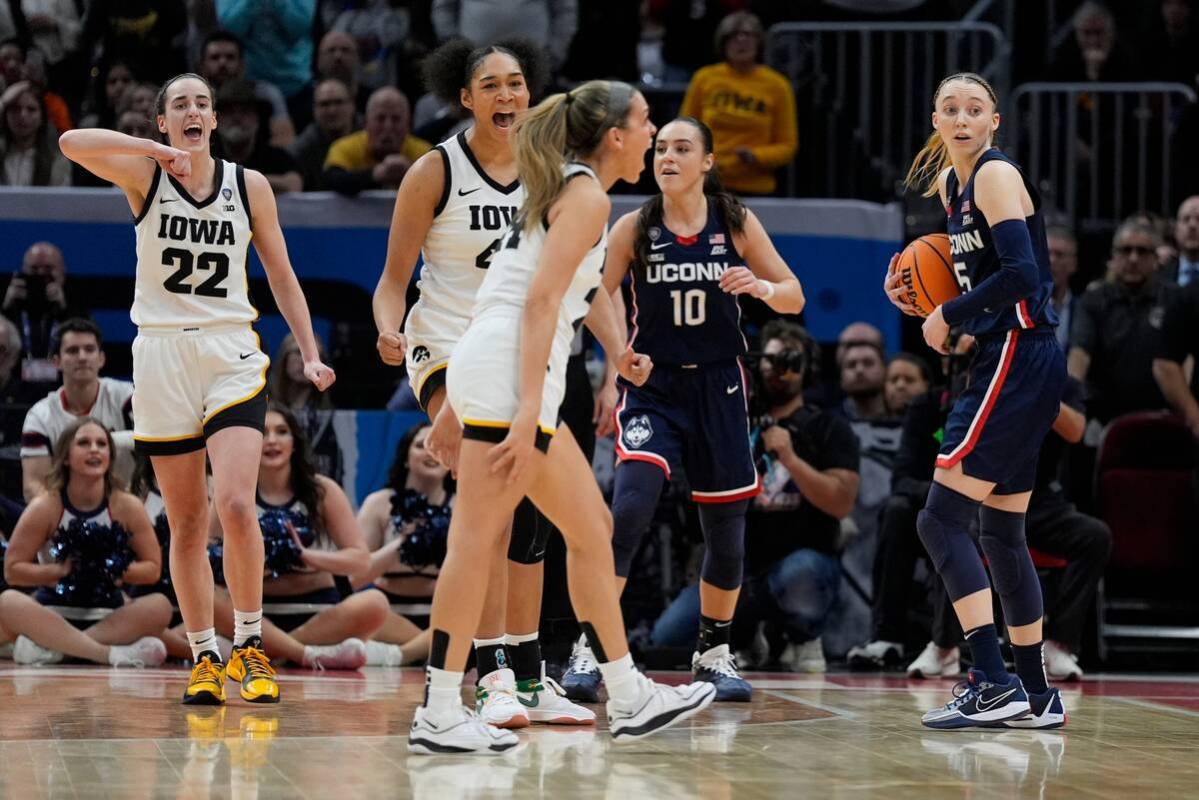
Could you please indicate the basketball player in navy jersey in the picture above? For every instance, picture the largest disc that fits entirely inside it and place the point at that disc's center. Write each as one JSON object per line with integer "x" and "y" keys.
{"x": 685, "y": 250}
{"x": 988, "y": 456}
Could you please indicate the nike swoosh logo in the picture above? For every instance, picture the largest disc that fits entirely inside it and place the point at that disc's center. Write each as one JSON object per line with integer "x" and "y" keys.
{"x": 660, "y": 246}
{"x": 529, "y": 703}
{"x": 472, "y": 191}
{"x": 731, "y": 389}
{"x": 244, "y": 356}
{"x": 994, "y": 701}
{"x": 167, "y": 200}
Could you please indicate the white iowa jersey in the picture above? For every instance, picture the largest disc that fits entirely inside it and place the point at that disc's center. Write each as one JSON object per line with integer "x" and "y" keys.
{"x": 191, "y": 254}
{"x": 507, "y": 282}
{"x": 472, "y": 215}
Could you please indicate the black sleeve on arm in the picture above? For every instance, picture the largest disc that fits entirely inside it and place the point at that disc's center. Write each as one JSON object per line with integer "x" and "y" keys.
{"x": 842, "y": 449}
{"x": 1084, "y": 327}
{"x": 1016, "y": 278}
{"x": 349, "y": 182}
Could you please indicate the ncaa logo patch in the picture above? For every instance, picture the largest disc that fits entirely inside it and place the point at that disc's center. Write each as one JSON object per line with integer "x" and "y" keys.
{"x": 420, "y": 353}
{"x": 638, "y": 431}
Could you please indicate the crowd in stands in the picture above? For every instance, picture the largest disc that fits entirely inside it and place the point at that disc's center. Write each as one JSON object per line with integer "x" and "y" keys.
{"x": 326, "y": 95}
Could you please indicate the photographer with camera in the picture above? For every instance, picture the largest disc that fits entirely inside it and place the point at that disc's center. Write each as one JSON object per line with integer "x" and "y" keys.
{"x": 36, "y": 301}
{"x": 809, "y": 463}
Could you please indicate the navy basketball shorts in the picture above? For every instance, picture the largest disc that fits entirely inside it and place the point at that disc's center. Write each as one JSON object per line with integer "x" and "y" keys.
{"x": 693, "y": 418}
{"x": 1001, "y": 418}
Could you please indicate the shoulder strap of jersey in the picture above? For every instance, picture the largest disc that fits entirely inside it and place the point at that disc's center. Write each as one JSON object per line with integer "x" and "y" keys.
{"x": 448, "y": 179}
{"x": 153, "y": 190}
{"x": 951, "y": 186}
{"x": 995, "y": 154}
{"x": 244, "y": 194}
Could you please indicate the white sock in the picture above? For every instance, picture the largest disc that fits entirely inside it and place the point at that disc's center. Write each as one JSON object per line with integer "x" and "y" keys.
{"x": 620, "y": 676}
{"x": 443, "y": 690}
{"x": 203, "y": 641}
{"x": 245, "y": 625}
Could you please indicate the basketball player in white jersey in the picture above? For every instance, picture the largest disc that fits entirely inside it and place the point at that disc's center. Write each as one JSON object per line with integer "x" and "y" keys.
{"x": 452, "y": 207}
{"x": 199, "y": 375}
{"x": 506, "y": 381}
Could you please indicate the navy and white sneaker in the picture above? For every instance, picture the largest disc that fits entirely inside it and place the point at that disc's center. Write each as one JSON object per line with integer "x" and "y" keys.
{"x": 1046, "y": 711}
{"x": 457, "y": 731}
{"x": 656, "y": 708}
{"x": 718, "y": 667}
{"x": 978, "y": 701}
{"x": 582, "y": 678}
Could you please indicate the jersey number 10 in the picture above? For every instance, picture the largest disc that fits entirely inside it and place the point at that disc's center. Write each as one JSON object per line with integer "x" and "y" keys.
{"x": 690, "y": 307}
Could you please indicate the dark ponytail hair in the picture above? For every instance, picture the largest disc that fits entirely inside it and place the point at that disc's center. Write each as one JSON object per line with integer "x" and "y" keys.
{"x": 729, "y": 208}
{"x": 450, "y": 68}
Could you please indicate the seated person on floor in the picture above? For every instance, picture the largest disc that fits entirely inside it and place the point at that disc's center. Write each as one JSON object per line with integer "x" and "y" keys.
{"x": 313, "y": 545}
{"x": 405, "y": 524}
{"x": 79, "y": 542}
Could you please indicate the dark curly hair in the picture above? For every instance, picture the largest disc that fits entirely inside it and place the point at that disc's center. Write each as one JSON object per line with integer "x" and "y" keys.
{"x": 450, "y": 68}
{"x": 731, "y": 210}
{"x": 304, "y": 483}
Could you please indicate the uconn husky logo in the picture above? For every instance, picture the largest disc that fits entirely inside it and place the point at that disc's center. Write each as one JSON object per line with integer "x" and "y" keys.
{"x": 638, "y": 431}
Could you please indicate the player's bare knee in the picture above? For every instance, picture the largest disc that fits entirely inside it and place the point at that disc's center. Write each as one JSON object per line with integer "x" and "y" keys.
{"x": 236, "y": 512}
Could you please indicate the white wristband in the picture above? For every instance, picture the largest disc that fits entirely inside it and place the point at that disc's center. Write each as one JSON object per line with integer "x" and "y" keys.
{"x": 769, "y": 290}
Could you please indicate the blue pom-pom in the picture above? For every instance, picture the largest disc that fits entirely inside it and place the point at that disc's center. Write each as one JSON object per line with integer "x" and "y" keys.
{"x": 425, "y": 546}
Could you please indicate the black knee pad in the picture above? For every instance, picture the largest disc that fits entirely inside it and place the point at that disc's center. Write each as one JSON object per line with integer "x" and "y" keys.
{"x": 530, "y": 533}
{"x": 634, "y": 500}
{"x": 944, "y": 528}
{"x": 723, "y": 525}
{"x": 1001, "y": 534}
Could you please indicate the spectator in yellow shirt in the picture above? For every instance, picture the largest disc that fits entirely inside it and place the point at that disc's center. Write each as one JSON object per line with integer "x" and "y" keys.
{"x": 749, "y": 107}
{"x": 377, "y": 157}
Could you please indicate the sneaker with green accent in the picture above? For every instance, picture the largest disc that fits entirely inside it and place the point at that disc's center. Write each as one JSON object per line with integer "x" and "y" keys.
{"x": 545, "y": 701}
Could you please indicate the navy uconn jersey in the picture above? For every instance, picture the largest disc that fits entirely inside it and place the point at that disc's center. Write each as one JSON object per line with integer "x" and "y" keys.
{"x": 679, "y": 313}
{"x": 975, "y": 258}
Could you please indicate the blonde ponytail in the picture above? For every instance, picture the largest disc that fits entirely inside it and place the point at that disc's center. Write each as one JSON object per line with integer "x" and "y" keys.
{"x": 570, "y": 125}
{"x": 932, "y": 159}
{"x": 540, "y": 154}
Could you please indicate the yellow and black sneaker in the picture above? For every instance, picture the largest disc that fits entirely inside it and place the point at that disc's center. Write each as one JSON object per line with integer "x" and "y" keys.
{"x": 250, "y": 667}
{"x": 207, "y": 684}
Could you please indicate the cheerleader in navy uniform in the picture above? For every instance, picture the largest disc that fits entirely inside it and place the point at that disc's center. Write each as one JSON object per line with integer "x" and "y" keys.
{"x": 312, "y": 543}
{"x": 690, "y": 252}
{"x": 406, "y": 524}
{"x": 79, "y": 543}
{"x": 988, "y": 457}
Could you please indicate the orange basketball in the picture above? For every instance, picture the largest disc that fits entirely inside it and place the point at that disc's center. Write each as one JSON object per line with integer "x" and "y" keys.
{"x": 926, "y": 271}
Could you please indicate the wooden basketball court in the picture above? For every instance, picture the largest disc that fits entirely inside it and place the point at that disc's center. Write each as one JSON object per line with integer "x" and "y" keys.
{"x": 94, "y": 732}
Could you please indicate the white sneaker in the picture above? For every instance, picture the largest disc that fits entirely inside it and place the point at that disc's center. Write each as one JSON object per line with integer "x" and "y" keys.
{"x": 27, "y": 651}
{"x": 496, "y": 703}
{"x": 875, "y": 655}
{"x": 350, "y": 654}
{"x": 148, "y": 651}
{"x": 1060, "y": 663}
{"x": 805, "y": 657}
{"x": 657, "y": 708}
{"x": 382, "y": 654}
{"x": 458, "y": 731}
{"x": 933, "y": 662}
{"x": 545, "y": 701}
